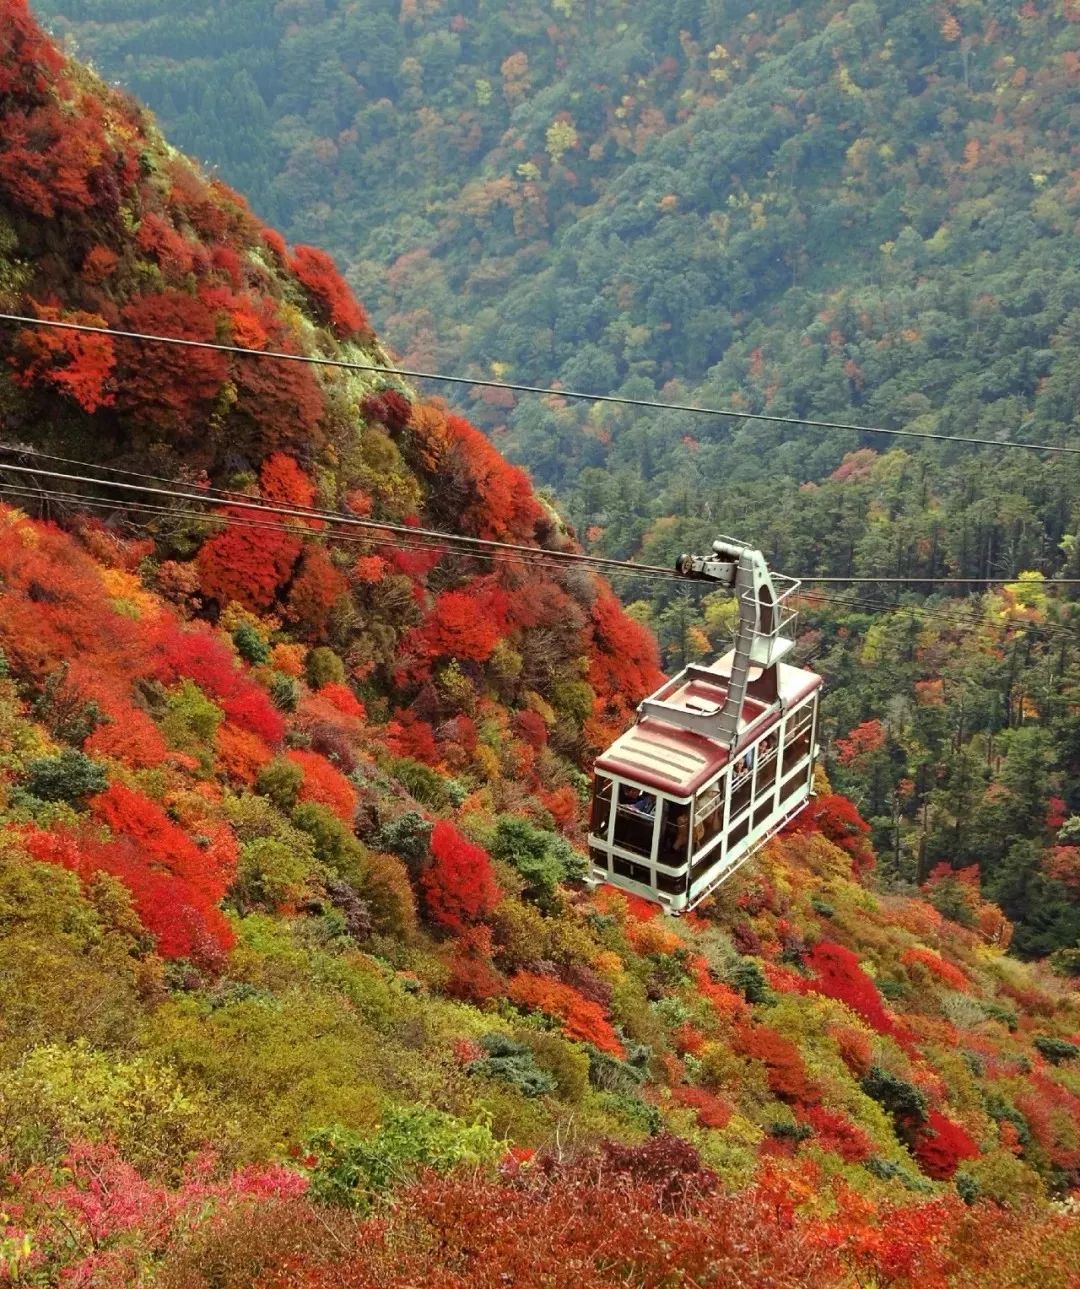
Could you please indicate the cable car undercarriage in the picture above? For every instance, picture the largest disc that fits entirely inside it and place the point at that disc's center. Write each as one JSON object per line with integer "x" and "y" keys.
{"x": 720, "y": 758}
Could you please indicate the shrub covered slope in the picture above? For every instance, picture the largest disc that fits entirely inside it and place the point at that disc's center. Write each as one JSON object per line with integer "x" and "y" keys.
{"x": 297, "y": 983}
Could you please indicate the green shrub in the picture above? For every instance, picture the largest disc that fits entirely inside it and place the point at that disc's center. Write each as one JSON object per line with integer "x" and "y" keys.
{"x": 513, "y": 1062}
{"x": 250, "y": 644}
{"x": 269, "y": 875}
{"x": 71, "y": 776}
{"x": 191, "y": 721}
{"x": 324, "y": 667}
{"x": 905, "y": 1102}
{"x": 748, "y": 978}
{"x": 407, "y": 836}
{"x": 1006, "y": 1015}
{"x": 542, "y": 858}
{"x": 284, "y": 692}
{"x": 424, "y": 783}
{"x": 334, "y": 844}
{"x": 68, "y": 958}
{"x": 280, "y": 782}
{"x": 566, "y": 1063}
{"x": 1056, "y": 1050}
{"x": 1066, "y": 962}
{"x": 59, "y": 1094}
{"x": 608, "y": 1074}
{"x": 352, "y": 1170}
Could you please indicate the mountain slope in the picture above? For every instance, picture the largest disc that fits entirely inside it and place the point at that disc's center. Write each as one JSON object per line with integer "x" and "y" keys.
{"x": 859, "y": 212}
{"x": 296, "y": 978}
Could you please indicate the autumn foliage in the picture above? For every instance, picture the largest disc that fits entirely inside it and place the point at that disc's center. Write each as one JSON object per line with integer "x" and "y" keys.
{"x": 580, "y": 1018}
{"x": 459, "y": 885}
{"x": 239, "y": 750}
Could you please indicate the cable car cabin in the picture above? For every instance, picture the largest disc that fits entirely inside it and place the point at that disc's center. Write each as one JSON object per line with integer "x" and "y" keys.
{"x": 721, "y": 757}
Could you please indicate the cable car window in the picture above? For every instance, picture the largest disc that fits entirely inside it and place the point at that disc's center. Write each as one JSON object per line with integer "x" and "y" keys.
{"x": 635, "y": 872}
{"x": 710, "y": 813}
{"x": 674, "y": 834}
{"x": 601, "y": 806}
{"x": 635, "y": 818}
{"x": 766, "y": 775}
{"x": 672, "y": 883}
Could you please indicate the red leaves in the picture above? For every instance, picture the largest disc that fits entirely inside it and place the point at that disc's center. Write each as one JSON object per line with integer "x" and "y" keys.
{"x": 132, "y": 738}
{"x": 252, "y": 565}
{"x": 175, "y": 392}
{"x": 284, "y": 482}
{"x": 328, "y": 292}
{"x": 51, "y": 160}
{"x": 463, "y": 624}
{"x": 531, "y": 727}
{"x": 245, "y": 564}
{"x": 839, "y": 976}
{"x": 624, "y": 662}
{"x": 941, "y": 1146}
{"x": 459, "y": 885}
{"x": 200, "y": 656}
{"x": 835, "y": 1131}
{"x": 388, "y": 408}
{"x": 315, "y": 590}
{"x": 581, "y": 1019}
{"x": 408, "y": 735}
{"x": 783, "y": 1063}
{"x": 946, "y": 972}
{"x": 175, "y": 887}
{"x": 837, "y": 818}
{"x": 712, "y": 1111}
{"x": 28, "y": 59}
{"x": 863, "y": 739}
{"x": 343, "y": 700}
{"x": 75, "y": 363}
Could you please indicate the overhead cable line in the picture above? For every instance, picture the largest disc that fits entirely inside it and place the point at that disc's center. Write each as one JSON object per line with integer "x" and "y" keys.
{"x": 206, "y": 494}
{"x": 619, "y": 400}
{"x": 352, "y": 521}
{"x": 966, "y": 623}
{"x": 373, "y": 541}
{"x": 218, "y": 520}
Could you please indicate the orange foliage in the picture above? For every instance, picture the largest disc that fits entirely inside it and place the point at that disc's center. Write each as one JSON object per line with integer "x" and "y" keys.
{"x": 712, "y": 1111}
{"x": 248, "y": 566}
{"x": 946, "y": 972}
{"x": 77, "y": 364}
{"x": 130, "y": 737}
{"x": 783, "y": 1064}
{"x": 283, "y": 481}
{"x": 581, "y": 1019}
{"x": 315, "y": 590}
{"x": 241, "y": 754}
{"x": 325, "y": 785}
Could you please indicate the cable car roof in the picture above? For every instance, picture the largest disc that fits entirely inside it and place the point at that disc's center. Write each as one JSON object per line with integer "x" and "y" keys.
{"x": 678, "y": 761}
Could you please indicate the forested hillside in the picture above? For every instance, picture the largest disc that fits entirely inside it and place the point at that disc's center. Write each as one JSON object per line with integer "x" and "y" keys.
{"x": 299, "y": 985}
{"x": 863, "y": 212}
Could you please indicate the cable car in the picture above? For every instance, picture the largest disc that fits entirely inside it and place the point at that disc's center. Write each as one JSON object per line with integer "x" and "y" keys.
{"x": 720, "y": 757}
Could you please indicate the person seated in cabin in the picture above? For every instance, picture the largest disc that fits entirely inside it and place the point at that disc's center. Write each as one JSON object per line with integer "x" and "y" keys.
{"x": 641, "y": 803}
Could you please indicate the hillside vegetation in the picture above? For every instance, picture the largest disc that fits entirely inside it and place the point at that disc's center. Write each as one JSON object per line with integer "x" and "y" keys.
{"x": 299, "y": 985}
{"x": 864, "y": 212}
